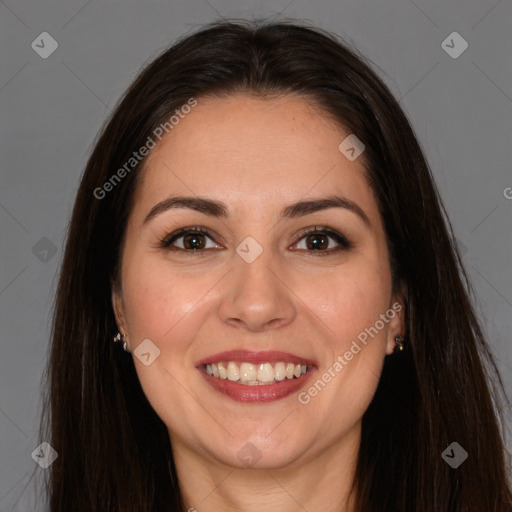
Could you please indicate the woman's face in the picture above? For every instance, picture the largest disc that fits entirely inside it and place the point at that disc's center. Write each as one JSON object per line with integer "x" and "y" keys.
{"x": 257, "y": 282}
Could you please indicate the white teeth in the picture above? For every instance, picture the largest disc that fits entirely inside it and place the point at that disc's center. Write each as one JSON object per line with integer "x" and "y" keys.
{"x": 248, "y": 372}
{"x": 280, "y": 371}
{"x": 233, "y": 371}
{"x": 223, "y": 371}
{"x": 253, "y": 375}
{"x": 265, "y": 372}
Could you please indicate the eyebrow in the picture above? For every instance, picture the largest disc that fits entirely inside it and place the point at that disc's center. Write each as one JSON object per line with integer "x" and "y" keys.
{"x": 219, "y": 209}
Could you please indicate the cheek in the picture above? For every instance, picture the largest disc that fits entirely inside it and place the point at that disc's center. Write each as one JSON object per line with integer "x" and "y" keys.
{"x": 167, "y": 308}
{"x": 349, "y": 301}
{"x": 350, "y": 305}
{"x": 157, "y": 299}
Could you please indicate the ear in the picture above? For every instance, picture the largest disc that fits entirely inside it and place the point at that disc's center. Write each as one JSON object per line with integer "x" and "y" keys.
{"x": 396, "y": 314}
{"x": 118, "y": 307}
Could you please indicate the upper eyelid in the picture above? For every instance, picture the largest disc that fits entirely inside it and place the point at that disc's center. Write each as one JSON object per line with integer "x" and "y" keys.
{"x": 330, "y": 232}
{"x": 175, "y": 235}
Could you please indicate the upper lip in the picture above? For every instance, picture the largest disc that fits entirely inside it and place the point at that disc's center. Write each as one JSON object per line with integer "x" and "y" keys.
{"x": 249, "y": 356}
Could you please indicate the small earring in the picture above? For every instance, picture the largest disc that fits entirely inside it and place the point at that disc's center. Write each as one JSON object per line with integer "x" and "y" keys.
{"x": 118, "y": 338}
{"x": 399, "y": 343}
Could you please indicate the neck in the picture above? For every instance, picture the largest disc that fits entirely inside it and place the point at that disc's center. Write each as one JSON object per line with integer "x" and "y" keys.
{"x": 321, "y": 482}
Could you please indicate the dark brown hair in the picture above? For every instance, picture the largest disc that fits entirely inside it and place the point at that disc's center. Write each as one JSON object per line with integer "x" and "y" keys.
{"x": 114, "y": 451}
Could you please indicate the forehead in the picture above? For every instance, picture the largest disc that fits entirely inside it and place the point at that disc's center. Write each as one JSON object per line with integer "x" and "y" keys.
{"x": 255, "y": 153}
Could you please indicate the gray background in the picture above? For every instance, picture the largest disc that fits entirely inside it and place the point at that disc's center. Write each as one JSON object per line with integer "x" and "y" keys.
{"x": 51, "y": 110}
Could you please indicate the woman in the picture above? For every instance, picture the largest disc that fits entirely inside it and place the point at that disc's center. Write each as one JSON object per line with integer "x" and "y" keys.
{"x": 258, "y": 229}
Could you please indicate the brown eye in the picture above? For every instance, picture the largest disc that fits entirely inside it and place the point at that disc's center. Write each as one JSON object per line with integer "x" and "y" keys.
{"x": 317, "y": 241}
{"x": 189, "y": 240}
{"x": 194, "y": 241}
{"x": 323, "y": 241}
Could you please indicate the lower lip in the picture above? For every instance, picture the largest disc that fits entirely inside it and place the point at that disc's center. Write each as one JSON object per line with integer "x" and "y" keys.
{"x": 261, "y": 393}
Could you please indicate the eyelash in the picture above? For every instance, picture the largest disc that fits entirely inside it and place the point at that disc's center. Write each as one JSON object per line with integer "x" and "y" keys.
{"x": 344, "y": 243}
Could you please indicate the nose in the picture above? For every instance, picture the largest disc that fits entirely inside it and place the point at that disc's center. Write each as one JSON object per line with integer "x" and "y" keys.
{"x": 257, "y": 296}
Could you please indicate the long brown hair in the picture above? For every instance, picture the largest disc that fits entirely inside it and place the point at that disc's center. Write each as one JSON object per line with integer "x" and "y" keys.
{"x": 114, "y": 451}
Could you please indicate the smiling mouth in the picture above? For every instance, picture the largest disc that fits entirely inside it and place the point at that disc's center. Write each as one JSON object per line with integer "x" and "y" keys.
{"x": 251, "y": 374}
